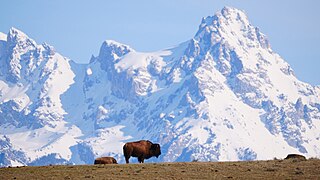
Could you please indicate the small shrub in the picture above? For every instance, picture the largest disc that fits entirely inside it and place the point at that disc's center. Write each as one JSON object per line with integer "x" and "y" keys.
{"x": 313, "y": 158}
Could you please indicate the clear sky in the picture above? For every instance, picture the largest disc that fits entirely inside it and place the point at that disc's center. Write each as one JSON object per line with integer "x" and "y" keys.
{"x": 77, "y": 28}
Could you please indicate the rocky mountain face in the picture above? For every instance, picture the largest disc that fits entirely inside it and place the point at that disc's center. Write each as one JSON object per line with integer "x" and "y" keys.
{"x": 222, "y": 95}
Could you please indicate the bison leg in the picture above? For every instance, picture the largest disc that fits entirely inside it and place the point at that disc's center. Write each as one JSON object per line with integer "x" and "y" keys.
{"x": 141, "y": 159}
{"x": 127, "y": 159}
{"x": 114, "y": 161}
{"x": 127, "y": 151}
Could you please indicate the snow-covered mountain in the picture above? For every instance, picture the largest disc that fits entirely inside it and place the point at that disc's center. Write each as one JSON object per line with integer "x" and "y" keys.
{"x": 222, "y": 95}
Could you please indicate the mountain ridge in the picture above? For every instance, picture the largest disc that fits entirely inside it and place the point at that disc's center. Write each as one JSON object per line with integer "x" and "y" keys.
{"x": 222, "y": 95}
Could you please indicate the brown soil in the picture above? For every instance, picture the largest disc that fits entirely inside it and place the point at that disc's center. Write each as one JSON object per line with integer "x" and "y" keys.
{"x": 275, "y": 169}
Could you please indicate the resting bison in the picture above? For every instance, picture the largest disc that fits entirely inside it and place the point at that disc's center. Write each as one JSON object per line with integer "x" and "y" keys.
{"x": 295, "y": 156}
{"x": 105, "y": 160}
{"x": 141, "y": 149}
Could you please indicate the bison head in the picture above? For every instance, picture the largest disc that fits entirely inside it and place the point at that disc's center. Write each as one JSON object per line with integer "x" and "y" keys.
{"x": 155, "y": 150}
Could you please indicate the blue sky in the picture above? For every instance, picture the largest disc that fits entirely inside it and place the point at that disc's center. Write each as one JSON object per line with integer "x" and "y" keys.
{"x": 77, "y": 28}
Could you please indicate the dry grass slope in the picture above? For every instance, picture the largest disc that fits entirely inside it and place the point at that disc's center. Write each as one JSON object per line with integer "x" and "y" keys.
{"x": 275, "y": 169}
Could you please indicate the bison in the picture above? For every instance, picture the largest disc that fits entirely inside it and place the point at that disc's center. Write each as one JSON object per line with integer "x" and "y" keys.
{"x": 296, "y": 157}
{"x": 141, "y": 149}
{"x": 105, "y": 160}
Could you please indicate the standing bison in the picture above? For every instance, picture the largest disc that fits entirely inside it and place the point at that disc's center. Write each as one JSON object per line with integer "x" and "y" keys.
{"x": 141, "y": 149}
{"x": 105, "y": 160}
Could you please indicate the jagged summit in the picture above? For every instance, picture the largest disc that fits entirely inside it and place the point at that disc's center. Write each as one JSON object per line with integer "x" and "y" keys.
{"x": 113, "y": 43}
{"x": 231, "y": 26}
{"x": 233, "y": 13}
{"x": 17, "y": 37}
{"x": 228, "y": 13}
{"x": 16, "y": 32}
{"x": 112, "y": 50}
{"x": 222, "y": 95}
{"x": 115, "y": 46}
{"x": 19, "y": 40}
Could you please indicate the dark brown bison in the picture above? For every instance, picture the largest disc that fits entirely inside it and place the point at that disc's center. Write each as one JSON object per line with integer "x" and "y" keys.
{"x": 296, "y": 157}
{"x": 105, "y": 160}
{"x": 141, "y": 149}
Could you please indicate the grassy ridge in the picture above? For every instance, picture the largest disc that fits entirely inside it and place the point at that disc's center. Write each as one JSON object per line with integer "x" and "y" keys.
{"x": 275, "y": 169}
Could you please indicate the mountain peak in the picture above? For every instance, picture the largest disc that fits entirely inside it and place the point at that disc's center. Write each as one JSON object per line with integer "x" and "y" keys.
{"x": 111, "y": 49}
{"x": 233, "y": 17}
{"x": 115, "y": 43}
{"x": 227, "y": 14}
{"x": 16, "y": 36}
{"x": 230, "y": 11}
{"x": 15, "y": 31}
{"x": 230, "y": 24}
